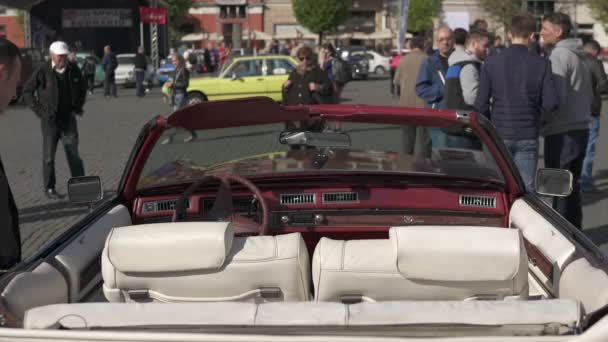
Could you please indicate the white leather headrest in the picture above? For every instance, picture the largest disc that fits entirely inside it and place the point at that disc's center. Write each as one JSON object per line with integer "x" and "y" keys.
{"x": 170, "y": 247}
{"x": 458, "y": 253}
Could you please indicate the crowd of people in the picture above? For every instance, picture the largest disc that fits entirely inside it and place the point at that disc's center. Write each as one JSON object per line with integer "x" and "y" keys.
{"x": 527, "y": 92}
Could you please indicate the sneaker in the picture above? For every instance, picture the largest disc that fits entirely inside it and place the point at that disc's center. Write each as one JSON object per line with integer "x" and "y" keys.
{"x": 166, "y": 141}
{"x": 90, "y": 92}
{"x": 52, "y": 194}
{"x": 190, "y": 138}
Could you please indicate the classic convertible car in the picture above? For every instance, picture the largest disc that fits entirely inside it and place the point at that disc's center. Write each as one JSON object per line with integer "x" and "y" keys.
{"x": 313, "y": 224}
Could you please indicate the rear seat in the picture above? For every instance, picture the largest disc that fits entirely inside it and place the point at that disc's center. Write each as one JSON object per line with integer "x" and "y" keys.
{"x": 423, "y": 263}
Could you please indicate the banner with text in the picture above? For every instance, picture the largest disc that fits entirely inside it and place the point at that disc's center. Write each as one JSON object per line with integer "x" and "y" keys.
{"x": 150, "y": 15}
{"x": 97, "y": 17}
{"x": 403, "y": 10}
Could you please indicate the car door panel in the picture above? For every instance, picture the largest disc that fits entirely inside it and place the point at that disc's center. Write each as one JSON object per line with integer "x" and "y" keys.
{"x": 243, "y": 79}
{"x": 278, "y": 70}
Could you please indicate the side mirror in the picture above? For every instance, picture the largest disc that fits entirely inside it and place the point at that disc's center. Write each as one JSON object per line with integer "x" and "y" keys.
{"x": 86, "y": 189}
{"x": 554, "y": 182}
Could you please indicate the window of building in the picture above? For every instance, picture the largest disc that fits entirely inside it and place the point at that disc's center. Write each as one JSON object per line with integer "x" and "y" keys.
{"x": 540, "y": 8}
{"x": 3, "y": 31}
{"x": 360, "y": 21}
{"x": 233, "y": 12}
{"x": 2, "y": 9}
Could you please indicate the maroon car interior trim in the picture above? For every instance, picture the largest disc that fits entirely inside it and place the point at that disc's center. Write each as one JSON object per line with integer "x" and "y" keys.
{"x": 141, "y": 158}
{"x": 536, "y": 257}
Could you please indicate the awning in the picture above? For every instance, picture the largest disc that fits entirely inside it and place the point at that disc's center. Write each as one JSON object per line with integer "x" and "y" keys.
{"x": 384, "y": 34}
{"x": 256, "y": 35}
{"x": 197, "y": 37}
{"x": 294, "y": 35}
{"x": 346, "y": 35}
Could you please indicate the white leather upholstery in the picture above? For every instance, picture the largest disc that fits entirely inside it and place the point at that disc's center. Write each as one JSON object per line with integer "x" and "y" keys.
{"x": 423, "y": 263}
{"x": 561, "y": 315}
{"x": 202, "y": 261}
{"x": 541, "y": 233}
{"x": 583, "y": 282}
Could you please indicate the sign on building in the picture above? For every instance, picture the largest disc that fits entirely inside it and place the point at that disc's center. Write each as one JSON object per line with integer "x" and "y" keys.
{"x": 97, "y": 17}
{"x": 149, "y": 15}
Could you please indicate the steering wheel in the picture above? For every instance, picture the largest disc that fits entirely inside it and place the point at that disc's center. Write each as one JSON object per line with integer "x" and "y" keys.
{"x": 222, "y": 206}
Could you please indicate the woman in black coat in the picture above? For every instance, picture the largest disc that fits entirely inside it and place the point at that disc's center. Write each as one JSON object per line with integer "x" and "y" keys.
{"x": 307, "y": 84}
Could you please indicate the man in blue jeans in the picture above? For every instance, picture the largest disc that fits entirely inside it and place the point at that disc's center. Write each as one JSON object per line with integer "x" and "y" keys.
{"x": 515, "y": 86}
{"x": 600, "y": 86}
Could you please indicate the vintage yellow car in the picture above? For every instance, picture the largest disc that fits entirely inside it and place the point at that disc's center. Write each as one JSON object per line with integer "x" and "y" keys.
{"x": 244, "y": 77}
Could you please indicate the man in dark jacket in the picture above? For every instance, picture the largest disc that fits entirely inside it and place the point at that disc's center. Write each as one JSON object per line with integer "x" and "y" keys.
{"x": 56, "y": 93}
{"x": 10, "y": 237}
{"x": 141, "y": 65}
{"x": 431, "y": 78}
{"x": 520, "y": 86}
{"x": 109, "y": 64}
{"x": 600, "y": 86}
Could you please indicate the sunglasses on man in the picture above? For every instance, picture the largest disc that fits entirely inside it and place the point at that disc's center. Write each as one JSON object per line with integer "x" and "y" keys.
{"x": 305, "y": 58}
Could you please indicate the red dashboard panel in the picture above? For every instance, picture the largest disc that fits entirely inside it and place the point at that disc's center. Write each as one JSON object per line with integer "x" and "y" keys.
{"x": 355, "y": 206}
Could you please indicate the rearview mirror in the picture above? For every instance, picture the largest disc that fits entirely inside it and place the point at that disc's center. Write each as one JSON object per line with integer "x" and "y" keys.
{"x": 554, "y": 182}
{"x": 316, "y": 139}
{"x": 86, "y": 189}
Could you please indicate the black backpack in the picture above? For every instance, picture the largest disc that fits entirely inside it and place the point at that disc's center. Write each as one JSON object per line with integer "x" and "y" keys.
{"x": 340, "y": 70}
{"x": 452, "y": 93}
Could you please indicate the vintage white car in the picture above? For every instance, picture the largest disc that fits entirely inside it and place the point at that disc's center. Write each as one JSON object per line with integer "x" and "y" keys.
{"x": 313, "y": 224}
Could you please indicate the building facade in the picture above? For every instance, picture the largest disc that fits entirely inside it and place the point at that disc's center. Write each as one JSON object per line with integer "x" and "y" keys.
{"x": 464, "y": 12}
{"x": 238, "y": 22}
{"x": 11, "y": 26}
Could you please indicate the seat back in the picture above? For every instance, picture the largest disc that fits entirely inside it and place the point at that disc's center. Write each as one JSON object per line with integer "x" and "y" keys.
{"x": 423, "y": 263}
{"x": 203, "y": 261}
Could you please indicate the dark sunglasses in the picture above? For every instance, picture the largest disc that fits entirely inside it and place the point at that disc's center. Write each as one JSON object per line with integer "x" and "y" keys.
{"x": 304, "y": 58}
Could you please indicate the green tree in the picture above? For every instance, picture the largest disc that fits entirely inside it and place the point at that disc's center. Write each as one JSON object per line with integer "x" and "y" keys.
{"x": 176, "y": 11}
{"x": 599, "y": 10}
{"x": 502, "y": 10}
{"x": 420, "y": 15}
{"x": 320, "y": 16}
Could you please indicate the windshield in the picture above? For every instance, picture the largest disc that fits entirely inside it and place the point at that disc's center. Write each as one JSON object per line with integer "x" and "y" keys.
{"x": 125, "y": 60}
{"x": 258, "y": 151}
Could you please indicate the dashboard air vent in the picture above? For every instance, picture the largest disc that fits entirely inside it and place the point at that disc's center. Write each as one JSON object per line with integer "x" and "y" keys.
{"x": 340, "y": 197}
{"x": 159, "y": 206}
{"x": 294, "y": 199}
{"x": 477, "y": 201}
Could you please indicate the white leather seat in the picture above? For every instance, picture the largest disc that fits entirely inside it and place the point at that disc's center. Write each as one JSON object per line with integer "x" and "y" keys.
{"x": 423, "y": 263}
{"x": 203, "y": 261}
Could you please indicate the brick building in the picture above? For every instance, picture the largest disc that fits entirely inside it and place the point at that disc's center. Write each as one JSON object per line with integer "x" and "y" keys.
{"x": 239, "y": 21}
{"x": 11, "y": 26}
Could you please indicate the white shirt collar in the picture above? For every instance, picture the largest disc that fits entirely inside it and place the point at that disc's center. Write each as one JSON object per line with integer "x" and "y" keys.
{"x": 59, "y": 71}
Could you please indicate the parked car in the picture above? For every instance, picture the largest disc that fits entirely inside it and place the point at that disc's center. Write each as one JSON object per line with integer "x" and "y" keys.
{"x": 378, "y": 64}
{"x": 99, "y": 73}
{"x": 355, "y": 56}
{"x": 243, "y": 77}
{"x": 125, "y": 72}
{"x": 327, "y": 231}
{"x": 359, "y": 66}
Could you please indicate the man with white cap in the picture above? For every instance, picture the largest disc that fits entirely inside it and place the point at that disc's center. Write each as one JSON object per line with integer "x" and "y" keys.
{"x": 56, "y": 93}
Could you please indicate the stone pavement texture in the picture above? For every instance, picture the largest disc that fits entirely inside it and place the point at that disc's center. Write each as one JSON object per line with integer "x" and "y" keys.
{"x": 108, "y": 131}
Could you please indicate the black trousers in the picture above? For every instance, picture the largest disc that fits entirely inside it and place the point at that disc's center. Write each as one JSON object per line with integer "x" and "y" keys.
{"x": 567, "y": 151}
{"x": 90, "y": 82}
{"x": 139, "y": 83}
{"x": 52, "y": 132}
{"x": 109, "y": 85}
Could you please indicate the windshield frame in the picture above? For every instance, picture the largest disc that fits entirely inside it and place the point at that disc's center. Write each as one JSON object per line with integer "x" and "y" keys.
{"x": 204, "y": 115}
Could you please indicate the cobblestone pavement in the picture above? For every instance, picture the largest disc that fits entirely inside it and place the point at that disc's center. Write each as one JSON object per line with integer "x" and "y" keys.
{"x": 108, "y": 131}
